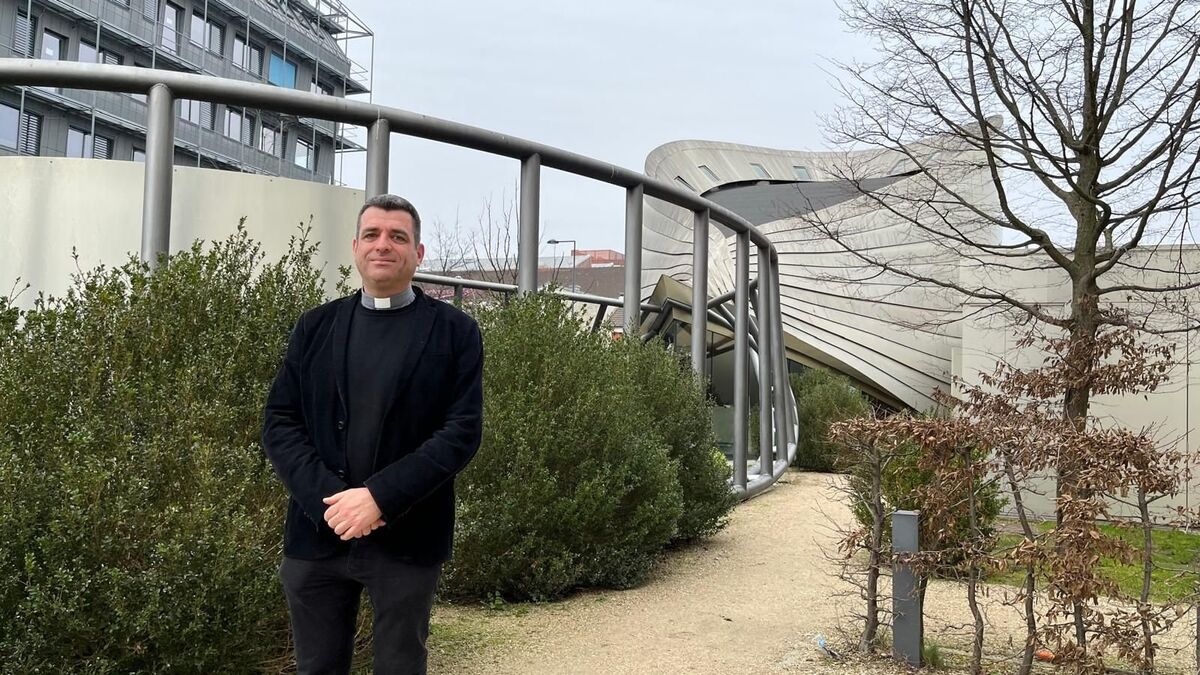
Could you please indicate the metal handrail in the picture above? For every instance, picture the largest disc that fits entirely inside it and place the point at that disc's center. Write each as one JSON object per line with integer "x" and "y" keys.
{"x": 779, "y": 428}
{"x": 129, "y": 79}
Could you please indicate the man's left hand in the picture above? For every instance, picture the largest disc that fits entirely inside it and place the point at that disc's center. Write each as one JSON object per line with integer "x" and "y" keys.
{"x": 352, "y": 513}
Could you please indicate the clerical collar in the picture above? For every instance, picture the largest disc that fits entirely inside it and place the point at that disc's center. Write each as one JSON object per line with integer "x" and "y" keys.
{"x": 397, "y": 301}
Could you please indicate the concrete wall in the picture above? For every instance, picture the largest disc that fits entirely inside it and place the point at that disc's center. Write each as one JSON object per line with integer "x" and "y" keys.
{"x": 49, "y": 206}
{"x": 1169, "y": 413}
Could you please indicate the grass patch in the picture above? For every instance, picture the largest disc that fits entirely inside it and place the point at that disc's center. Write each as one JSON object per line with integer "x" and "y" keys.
{"x": 1176, "y": 562}
{"x": 454, "y": 641}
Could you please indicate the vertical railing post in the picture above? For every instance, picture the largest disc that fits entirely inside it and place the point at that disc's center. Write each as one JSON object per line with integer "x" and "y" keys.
{"x": 527, "y": 241}
{"x": 779, "y": 363}
{"x": 379, "y": 143}
{"x": 907, "y": 616}
{"x": 766, "y": 364}
{"x": 458, "y": 295}
{"x": 633, "y": 259}
{"x": 699, "y": 290}
{"x": 741, "y": 355}
{"x": 160, "y": 167}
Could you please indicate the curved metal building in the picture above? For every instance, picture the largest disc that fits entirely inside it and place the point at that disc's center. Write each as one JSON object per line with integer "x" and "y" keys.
{"x": 896, "y": 338}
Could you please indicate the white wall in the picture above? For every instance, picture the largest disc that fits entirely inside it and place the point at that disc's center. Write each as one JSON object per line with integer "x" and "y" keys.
{"x": 50, "y": 205}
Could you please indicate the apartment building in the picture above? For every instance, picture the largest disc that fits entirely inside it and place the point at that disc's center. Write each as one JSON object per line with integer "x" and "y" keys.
{"x": 298, "y": 44}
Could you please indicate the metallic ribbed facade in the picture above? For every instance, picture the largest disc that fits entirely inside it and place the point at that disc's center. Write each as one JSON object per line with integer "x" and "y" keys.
{"x": 896, "y": 338}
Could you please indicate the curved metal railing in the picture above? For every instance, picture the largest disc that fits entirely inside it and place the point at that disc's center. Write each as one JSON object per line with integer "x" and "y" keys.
{"x": 777, "y": 430}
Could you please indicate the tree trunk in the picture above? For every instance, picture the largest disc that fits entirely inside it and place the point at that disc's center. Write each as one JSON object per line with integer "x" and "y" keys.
{"x": 1147, "y": 570}
{"x": 1077, "y": 399}
{"x": 866, "y": 644}
{"x": 1030, "y": 571}
{"x": 973, "y": 567}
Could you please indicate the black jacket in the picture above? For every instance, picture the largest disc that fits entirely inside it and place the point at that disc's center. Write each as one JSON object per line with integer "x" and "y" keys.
{"x": 432, "y": 429}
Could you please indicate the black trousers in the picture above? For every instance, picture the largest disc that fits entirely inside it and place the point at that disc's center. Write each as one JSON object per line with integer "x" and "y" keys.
{"x": 323, "y": 598}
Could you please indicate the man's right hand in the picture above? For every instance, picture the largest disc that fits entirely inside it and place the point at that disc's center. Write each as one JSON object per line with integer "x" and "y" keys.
{"x": 365, "y": 531}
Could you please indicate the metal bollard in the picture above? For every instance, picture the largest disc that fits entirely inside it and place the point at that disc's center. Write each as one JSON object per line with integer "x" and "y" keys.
{"x": 908, "y": 626}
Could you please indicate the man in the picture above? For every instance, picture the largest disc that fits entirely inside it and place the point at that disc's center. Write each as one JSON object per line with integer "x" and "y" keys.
{"x": 377, "y": 406}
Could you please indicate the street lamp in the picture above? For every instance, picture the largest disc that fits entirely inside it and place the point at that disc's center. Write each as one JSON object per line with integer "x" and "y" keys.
{"x": 574, "y": 244}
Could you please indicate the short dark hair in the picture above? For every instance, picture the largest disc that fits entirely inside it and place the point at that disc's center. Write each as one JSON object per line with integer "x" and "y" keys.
{"x": 390, "y": 202}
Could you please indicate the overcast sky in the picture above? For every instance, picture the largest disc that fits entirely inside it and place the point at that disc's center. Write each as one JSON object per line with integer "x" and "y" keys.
{"x": 611, "y": 79}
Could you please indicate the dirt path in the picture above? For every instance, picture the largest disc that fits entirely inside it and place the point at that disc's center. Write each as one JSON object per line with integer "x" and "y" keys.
{"x": 751, "y": 599}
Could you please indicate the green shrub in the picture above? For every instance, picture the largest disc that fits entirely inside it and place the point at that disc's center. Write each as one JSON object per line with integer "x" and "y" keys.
{"x": 140, "y": 526}
{"x": 822, "y": 398}
{"x": 139, "y": 523}
{"x": 578, "y": 481}
{"x": 681, "y": 416}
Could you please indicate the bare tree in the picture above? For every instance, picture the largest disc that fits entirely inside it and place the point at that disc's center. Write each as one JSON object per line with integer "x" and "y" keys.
{"x": 451, "y": 248}
{"x": 1052, "y": 136}
{"x": 1082, "y": 120}
{"x": 493, "y": 241}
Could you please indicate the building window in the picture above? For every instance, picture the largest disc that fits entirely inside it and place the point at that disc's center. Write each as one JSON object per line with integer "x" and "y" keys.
{"x": 684, "y": 183}
{"x": 305, "y": 154}
{"x": 802, "y": 173}
{"x": 710, "y": 173}
{"x": 171, "y": 18}
{"x": 109, "y": 58}
{"x": 233, "y": 124}
{"x": 139, "y": 155}
{"x": 81, "y": 144}
{"x": 283, "y": 72}
{"x": 315, "y": 87}
{"x": 88, "y": 53}
{"x": 760, "y": 170}
{"x": 8, "y": 126}
{"x": 53, "y": 46}
{"x": 248, "y": 57}
{"x": 199, "y": 113}
{"x": 23, "y": 35}
{"x": 208, "y": 34}
{"x": 268, "y": 140}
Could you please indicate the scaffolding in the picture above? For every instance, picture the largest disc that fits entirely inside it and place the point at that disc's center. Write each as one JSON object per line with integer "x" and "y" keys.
{"x": 325, "y": 32}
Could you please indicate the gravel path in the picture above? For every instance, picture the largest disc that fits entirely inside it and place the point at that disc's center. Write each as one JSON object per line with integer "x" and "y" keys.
{"x": 751, "y": 599}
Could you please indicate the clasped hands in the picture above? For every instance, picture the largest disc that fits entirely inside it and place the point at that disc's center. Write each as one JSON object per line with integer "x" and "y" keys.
{"x": 353, "y": 513}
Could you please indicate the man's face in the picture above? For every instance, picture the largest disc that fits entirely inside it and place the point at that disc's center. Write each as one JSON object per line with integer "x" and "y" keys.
{"x": 386, "y": 252}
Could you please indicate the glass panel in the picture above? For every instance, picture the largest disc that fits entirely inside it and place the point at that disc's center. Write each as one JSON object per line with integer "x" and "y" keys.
{"x": 139, "y": 155}
{"x": 241, "y": 57}
{"x": 710, "y": 173}
{"x": 87, "y": 53}
{"x": 802, "y": 172}
{"x": 77, "y": 145}
{"x": 758, "y": 169}
{"x": 303, "y": 153}
{"x": 216, "y": 38}
{"x": 283, "y": 73}
{"x": 268, "y": 140}
{"x": 8, "y": 126}
{"x": 196, "y": 34}
{"x": 233, "y": 124}
{"x": 52, "y": 46}
{"x": 170, "y": 27}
